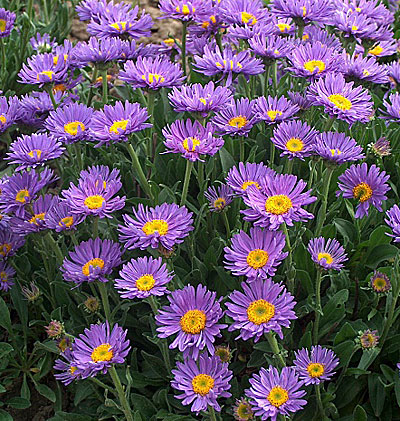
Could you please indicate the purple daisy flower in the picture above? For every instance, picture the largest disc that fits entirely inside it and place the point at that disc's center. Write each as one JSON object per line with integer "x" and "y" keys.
{"x": 34, "y": 150}
{"x": 42, "y": 43}
{"x": 371, "y": 8}
{"x": 182, "y": 9}
{"x": 263, "y": 307}
{"x": 96, "y": 51}
{"x": 193, "y": 314}
{"x": 271, "y": 47}
{"x": 257, "y": 255}
{"x": 337, "y": 148}
{"x": 244, "y": 175}
{"x": 236, "y": 118}
{"x": 358, "y": 25}
{"x": 243, "y": 12}
{"x": 67, "y": 367}
{"x": 314, "y": 33}
{"x": 393, "y": 220}
{"x": 70, "y": 123}
{"x": 191, "y": 139}
{"x": 368, "y": 339}
{"x": 295, "y": 138}
{"x": 42, "y": 69}
{"x": 130, "y": 50}
{"x": 199, "y": 99}
{"x": 102, "y": 174}
{"x": 229, "y": 62}
{"x": 282, "y": 26}
{"x": 392, "y": 107}
{"x": 279, "y": 200}
{"x": 6, "y": 276}
{"x": 202, "y": 382}
{"x": 380, "y": 148}
{"x": 219, "y": 198}
{"x": 274, "y": 109}
{"x": 368, "y": 186}
{"x": 91, "y": 9}
{"x": 143, "y": 277}
{"x": 380, "y": 282}
{"x": 22, "y": 188}
{"x": 364, "y": 69}
{"x": 91, "y": 260}
{"x": 9, "y": 243}
{"x": 272, "y": 393}
{"x": 9, "y": 109}
{"x": 152, "y": 73}
{"x": 98, "y": 348}
{"x": 340, "y": 99}
{"x": 301, "y": 101}
{"x": 116, "y": 122}
{"x": 393, "y": 70}
{"x": 383, "y": 48}
{"x": 7, "y": 20}
{"x": 165, "y": 225}
{"x": 60, "y": 217}
{"x": 305, "y": 11}
{"x": 328, "y": 254}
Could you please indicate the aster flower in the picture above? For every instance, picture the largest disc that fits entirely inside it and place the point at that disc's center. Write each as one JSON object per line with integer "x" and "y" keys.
{"x": 274, "y": 109}
{"x": 263, "y": 307}
{"x": 9, "y": 243}
{"x": 182, "y": 9}
{"x": 7, "y": 274}
{"x": 116, "y": 122}
{"x": 91, "y": 260}
{"x": 8, "y": 112}
{"x": 247, "y": 32}
{"x": 199, "y": 99}
{"x": 41, "y": 69}
{"x": 327, "y": 254}
{"x": 337, "y": 148}
{"x": 143, "y": 277}
{"x": 192, "y": 314}
{"x": 314, "y": 33}
{"x": 32, "y": 293}
{"x": 34, "y": 150}
{"x": 130, "y": 50}
{"x": 304, "y": 11}
{"x": 92, "y": 305}
{"x": 152, "y": 73}
{"x": 55, "y": 329}
{"x": 282, "y": 26}
{"x": 7, "y": 20}
{"x": 279, "y": 200}
{"x": 371, "y": 8}
{"x": 60, "y": 217}
{"x": 340, "y": 99}
{"x": 102, "y": 174}
{"x": 380, "y": 148}
{"x": 383, "y": 48}
{"x": 257, "y": 255}
{"x": 243, "y": 12}
{"x": 271, "y": 47}
{"x": 165, "y": 225}
{"x": 70, "y": 123}
{"x": 219, "y": 198}
{"x": 208, "y": 22}
{"x": 91, "y": 9}
{"x": 42, "y": 43}
{"x": 191, "y": 139}
{"x": 301, "y": 101}
{"x": 223, "y": 353}
{"x": 249, "y": 174}
{"x": 393, "y": 220}
{"x": 380, "y": 282}
{"x": 68, "y": 370}
{"x": 295, "y": 138}
{"x": 364, "y": 69}
{"x": 367, "y": 185}
{"x": 242, "y": 411}
{"x": 368, "y": 339}
{"x": 393, "y": 71}
{"x": 98, "y": 348}
{"x": 392, "y": 107}
{"x": 202, "y": 382}
{"x": 358, "y": 25}
{"x": 228, "y": 63}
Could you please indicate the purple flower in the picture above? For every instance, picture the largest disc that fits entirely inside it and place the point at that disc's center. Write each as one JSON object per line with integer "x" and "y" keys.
{"x": 272, "y": 393}
{"x": 91, "y": 9}
{"x": 192, "y": 314}
{"x": 380, "y": 148}
{"x": 368, "y": 186}
{"x": 97, "y": 349}
{"x": 358, "y": 25}
{"x": 42, "y": 44}
{"x": 393, "y": 220}
{"x": 191, "y": 139}
{"x": 60, "y": 217}
{"x": 152, "y": 73}
{"x": 340, "y": 99}
{"x": 368, "y": 339}
{"x": 328, "y": 254}
{"x": 199, "y": 99}
{"x": 32, "y": 151}
{"x": 165, "y": 225}
{"x": 243, "y": 12}
{"x": 8, "y": 112}
{"x": 393, "y": 70}
{"x": 392, "y": 107}
{"x": 202, "y": 382}
{"x": 9, "y": 243}
{"x": 270, "y": 47}
{"x": 297, "y": 98}
{"x": 7, "y": 20}
{"x": 371, "y": 8}
{"x": 295, "y": 138}
{"x": 96, "y": 51}
{"x": 91, "y": 260}
{"x": 257, "y": 255}
{"x": 304, "y": 11}
{"x": 70, "y": 123}
{"x": 383, "y": 48}
{"x": 6, "y": 276}
{"x": 274, "y": 109}
{"x": 380, "y": 282}
{"x": 314, "y": 33}
{"x": 102, "y": 174}
{"x": 143, "y": 277}
{"x": 182, "y": 10}
{"x": 337, "y": 148}
{"x": 116, "y": 122}
{"x": 263, "y": 307}
{"x": 236, "y": 118}
{"x": 279, "y": 200}
{"x": 219, "y": 198}
{"x": 69, "y": 371}
{"x": 364, "y": 69}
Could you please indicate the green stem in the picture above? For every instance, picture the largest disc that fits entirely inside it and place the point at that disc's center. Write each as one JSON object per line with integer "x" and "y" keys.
{"x": 105, "y": 86}
{"x": 121, "y": 393}
{"x": 266, "y": 80}
{"x": 275, "y": 74}
{"x": 289, "y": 166}
{"x": 300, "y": 31}
{"x": 78, "y": 156}
{"x": 211, "y": 412}
{"x": 73, "y": 237}
{"x": 241, "y": 146}
{"x": 318, "y": 309}
{"x": 46, "y": 12}
{"x": 183, "y": 51}
{"x": 226, "y": 223}
{"x": 312, "y": 172}
{"x": 392, "y": 309}
{"x": 219, "y": 42}
{"x": 54, "y": 245}
{"x": 319, "y": 400}
{"x": 189, "y": 166}
{"x": 200, "y": 177}
{"x": 289, "y": 260}
{"x": 3, "y": 59}
{"x": 93, "y": 81}
{"x": 49, "y": 90}
{"x": 95, "y": 227}
{"x": 103, "y": 385}
{"x": 105, "y": 301}
{"x": 271, "y": 154}
{"x": 150, "y": 112}
{"x": 322, "y": 212}
{"x": 273, "y": 343}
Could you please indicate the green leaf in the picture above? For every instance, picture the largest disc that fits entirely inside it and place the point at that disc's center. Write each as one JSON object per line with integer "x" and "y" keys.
{"x": 379, "y": 254}
{"x": 377, "y": 394}
{"x": 345, "y": 333}
{"x": 5, "y": 320}
{"x": 368, "y": 357}
{"x": 5, "y": 349}
{"x": 18, "y": 403}
{"x": 227, "y": 160}
{"x": 5, "y": 416}
{"x": 46, "y": 392}
{"x": 359, "y": 414}
{"x": 137, "y": 416}
{"x": 143, "y": 405}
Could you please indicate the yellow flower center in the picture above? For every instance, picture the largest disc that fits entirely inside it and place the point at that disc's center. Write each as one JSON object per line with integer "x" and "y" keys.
{"x": 250, "y": 183}
{"x": 304, "y": 11}
{"x": 283, "y": 27}
{"x": 362, "y": 192}
{"x": 273, "y": 113}
{"x": 94, "y": 202}
{"x": 59, "y": 88}
{"x": 119, "y": 26}
{"x": 340, "y": 101}
{"x": 94, "y": 263}
{"x": 169, "y": 41}
{"x": 213, "y": 19}
{"x": 257, "y": 258}
{"x": 219, "y": 203}
{"x": 328, "y": 258}
{"x": 151, "y": 77}
{"x": 102, "y": 353}
{"x": 366, "y": 72}
{"x": 294, "y": 144}
{"x": 156, "y": 225}
{"x": 193, "y": 321}
{"x": 278, "y": 396}
{"x": 3, "y": 276}
{"x": 22, "y": 195}
{"x": 260, "y": 311}
{"x": 379, "y": 284}
{"x": 145, "y": 283}
{"x": 314, "y": 64}
{"x": 5, "y": 249}
{"x": 118, "y": 126}
{"x": 248, "y": 18}
{"x": 195, "y": 142}
{"x": 376, "y": 51}
{"x": 238, "y": 121}
{"x": 354, "y": 28}
{"x": 48, "y": 73}
{"x": 205, "y": 25}
{"x": 3, "y": 119}
{"x": 67, "y": 221}
{"x": 72, "y": 369}
{"x": 335, "y": 152}
{"x": 72, "y": 127}
{"x": 278, "y": 204}
{"x": 37, "y": 217}
{"x": 315, "y": 369}
{"x": 202, "y": 384}
{"x": 3, "y": 24}
{"x": 306, "y": 37}
{"x": 35, "y": 153}
{"x": 358, "y": 9}
{"x": 185, "y": 9}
